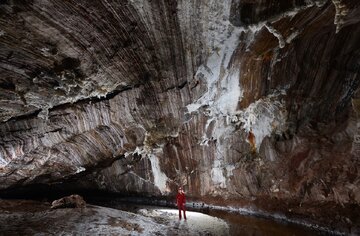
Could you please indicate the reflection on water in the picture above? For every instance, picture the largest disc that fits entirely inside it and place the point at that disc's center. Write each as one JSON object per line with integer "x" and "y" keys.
{"x": 254, "y": 226}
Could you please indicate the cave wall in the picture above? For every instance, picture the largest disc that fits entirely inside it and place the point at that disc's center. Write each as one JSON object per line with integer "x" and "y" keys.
{"x": 232, "y": 99}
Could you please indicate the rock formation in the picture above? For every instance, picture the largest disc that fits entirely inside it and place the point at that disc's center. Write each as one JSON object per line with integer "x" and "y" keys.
{"x": 237, "y": 99}
{"x": 72, "y": 201}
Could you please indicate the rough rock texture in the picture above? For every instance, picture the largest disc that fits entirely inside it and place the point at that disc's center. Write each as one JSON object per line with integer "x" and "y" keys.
{"x": 245, "y": 100}
{"x": 19, "y": 217}
{"x": 72, "y": 201}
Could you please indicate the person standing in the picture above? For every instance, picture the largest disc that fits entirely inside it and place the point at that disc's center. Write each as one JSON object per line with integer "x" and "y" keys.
{"x": 180, "y": 202}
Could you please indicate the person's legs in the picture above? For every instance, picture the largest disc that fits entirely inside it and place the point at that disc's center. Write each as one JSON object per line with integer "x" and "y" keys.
{"x": 184, "y": 209}
{"x": 179, "y": 212}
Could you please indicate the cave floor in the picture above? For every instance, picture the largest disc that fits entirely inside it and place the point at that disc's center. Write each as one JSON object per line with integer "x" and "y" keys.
{"x": 29, "y": 217}
{"x": 26, "y": 217}
{"x": 211, "y": 222}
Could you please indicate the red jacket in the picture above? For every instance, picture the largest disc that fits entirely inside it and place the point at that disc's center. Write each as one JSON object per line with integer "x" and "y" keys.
{"x": 180, "y": 198}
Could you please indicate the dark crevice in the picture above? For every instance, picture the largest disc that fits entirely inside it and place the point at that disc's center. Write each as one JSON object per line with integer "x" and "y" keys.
{"x": 108, "y": 96}
{"x": 180, "y": 86}
{"x": 55, "y": 189}
{"x": 51, "y": 192}
{"x": 8, "y": 85}
{"x": 67, "y": 63}
{"x": 243, "y": 13}
{"x": 54, "y": 131}
{"x": 195, "y": 85}
{"x": 26, "y": 116}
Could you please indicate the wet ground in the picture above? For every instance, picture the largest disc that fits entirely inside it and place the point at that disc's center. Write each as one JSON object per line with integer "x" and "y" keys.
{"x": 257, "y": 220}
{"x": 254, "y": 226}
{"x": 24, "y": 217}
{"x": 237, "y": 224}
{"x": 114, "y": 217}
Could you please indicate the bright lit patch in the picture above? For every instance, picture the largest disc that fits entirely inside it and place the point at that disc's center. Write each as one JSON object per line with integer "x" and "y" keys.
{"x": 196, "y": 222}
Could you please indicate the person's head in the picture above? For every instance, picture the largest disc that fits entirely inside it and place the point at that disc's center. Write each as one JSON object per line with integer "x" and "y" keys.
{"x": 180, "y": 190}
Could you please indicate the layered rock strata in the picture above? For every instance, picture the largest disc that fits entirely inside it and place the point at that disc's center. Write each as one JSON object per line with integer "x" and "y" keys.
{"x": 232, "y": 99}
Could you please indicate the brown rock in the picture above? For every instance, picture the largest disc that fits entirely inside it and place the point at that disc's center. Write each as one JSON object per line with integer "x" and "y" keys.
{"x": 139, "y": 96}
{"x": 72, "y": 201}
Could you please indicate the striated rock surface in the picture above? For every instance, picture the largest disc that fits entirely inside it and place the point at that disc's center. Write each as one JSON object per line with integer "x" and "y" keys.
{"x": 240, "y": 100}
